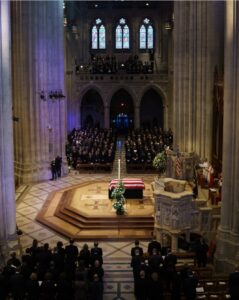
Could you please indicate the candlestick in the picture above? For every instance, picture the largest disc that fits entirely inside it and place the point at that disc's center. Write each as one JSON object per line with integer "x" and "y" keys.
{"x": 119, "y": 169}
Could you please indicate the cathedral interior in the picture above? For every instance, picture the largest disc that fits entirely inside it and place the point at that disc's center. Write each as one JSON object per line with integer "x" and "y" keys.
{"x": 120, "y": 66}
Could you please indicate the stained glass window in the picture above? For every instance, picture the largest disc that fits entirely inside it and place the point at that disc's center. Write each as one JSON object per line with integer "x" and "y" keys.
{"x": 146, "y": 35}
{"x": 102, "y": 37}
{"x": 118, "y": 37}
{"x": 126, "y": 37}
{"x": 150, "y": 37}
{"x": 94, "y": 36}
{"x": 98, "y": 35}
{"x": 122, "y": 36}
{"x": 142, "y": 37}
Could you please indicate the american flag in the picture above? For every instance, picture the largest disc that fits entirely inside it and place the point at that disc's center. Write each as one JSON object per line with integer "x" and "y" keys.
{"x": 177, "y": 165}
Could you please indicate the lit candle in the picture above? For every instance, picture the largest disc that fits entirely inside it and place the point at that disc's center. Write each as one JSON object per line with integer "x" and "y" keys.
{"x": 119, "y": 168}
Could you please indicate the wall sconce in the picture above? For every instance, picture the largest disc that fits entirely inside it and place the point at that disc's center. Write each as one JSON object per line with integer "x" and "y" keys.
{"x": 51, "y": 95}
{"x": 168, "y": 25}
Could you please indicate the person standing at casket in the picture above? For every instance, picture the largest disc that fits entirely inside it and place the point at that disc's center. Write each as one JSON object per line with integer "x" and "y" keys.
{"x": 58, "y": 162}
{"x": 53, "y": 170}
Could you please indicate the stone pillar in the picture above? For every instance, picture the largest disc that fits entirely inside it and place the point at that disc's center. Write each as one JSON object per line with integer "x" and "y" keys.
{"x": 106, "y": 117}
{"x": 7, "y": 191}
{"x": 137, "y": 117}
{"x": 174, "y": 243}
{"x": 38, "y": 70}
{"x": 193, "y": 76}
{"x": 227, "y": 250}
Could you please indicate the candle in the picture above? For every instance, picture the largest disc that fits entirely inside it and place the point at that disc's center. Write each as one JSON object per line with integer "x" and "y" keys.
{"x": 119, "y": 169}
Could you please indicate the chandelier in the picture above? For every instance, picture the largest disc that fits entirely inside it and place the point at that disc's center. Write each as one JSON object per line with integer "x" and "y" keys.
{"x": 52, "y": 95}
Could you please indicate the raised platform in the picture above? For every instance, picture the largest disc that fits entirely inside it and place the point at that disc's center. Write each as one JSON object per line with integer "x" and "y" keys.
{"x": 84, "y": 212}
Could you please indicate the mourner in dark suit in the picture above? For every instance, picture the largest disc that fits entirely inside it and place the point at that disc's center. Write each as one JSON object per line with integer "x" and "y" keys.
{"x": 154, "y": 244}
{"x": 137, "y": 247}
{"x": 234, "y": 284}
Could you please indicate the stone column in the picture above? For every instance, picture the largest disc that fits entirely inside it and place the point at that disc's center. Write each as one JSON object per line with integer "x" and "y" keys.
{"x": 227, "y": 250}
{"x": 7, "y": 191}
{"x": 193, "y": 76}
{"x": 107, "y": 117}
{"x": 137, "y": 117}
{"x": 38, "y": 70}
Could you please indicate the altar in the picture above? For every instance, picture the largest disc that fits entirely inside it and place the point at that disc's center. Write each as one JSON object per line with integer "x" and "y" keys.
{"x": 133, "y": 187}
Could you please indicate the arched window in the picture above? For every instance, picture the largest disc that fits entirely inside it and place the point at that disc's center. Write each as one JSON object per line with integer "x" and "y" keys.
{"x": 122, "y": 35}
{"x": 146, "y": 35}
{"x": 98, "y": 36}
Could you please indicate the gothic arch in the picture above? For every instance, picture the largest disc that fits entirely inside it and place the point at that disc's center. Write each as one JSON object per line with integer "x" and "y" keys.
{"x": 122, "y": 111}
{"x": 158, "y": 89}
{"x": 163, "y": 97}
{"x": 88, "y": 87}
{"x": 92, "y": 109}
{"x": 124, "y": 87}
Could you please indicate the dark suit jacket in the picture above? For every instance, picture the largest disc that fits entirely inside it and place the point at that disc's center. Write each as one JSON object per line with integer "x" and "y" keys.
{"x": 133, "y": 250}
{"x": 96, "y": 251}
{"x": 234, "y": 285}
{"x": 152, "y": 245}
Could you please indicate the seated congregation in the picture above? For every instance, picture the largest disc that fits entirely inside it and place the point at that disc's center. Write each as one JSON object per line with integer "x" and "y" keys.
{"x": 142, "y": 145}
{"x": 90, "y": 148}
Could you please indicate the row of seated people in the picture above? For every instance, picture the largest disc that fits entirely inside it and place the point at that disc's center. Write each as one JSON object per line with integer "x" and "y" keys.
{"x": 142, "y": 145}
{"x": 110, "y": 65}
{"x": 62, "y": 273}
{"x": 156, "y": 276}
{"x": 90, "y": 146}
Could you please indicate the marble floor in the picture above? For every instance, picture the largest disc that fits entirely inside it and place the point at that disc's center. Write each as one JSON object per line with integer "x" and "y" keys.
{"x": 118, "y": 280}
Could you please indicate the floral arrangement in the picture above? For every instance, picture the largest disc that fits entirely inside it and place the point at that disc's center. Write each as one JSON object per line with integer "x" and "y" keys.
{"x": 118, "y": 197}
{"x": 160, "y": 162}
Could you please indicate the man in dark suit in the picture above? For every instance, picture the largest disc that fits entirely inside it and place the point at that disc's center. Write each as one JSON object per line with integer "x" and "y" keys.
{"x": 71, "y": 253}
{"x": 136, "y": 247}
{"x": 189, "y": 284}
{"x": 169, "y": 266}
{"x": 71, "y": 250}
{"x": 233, "y": 284}
{"x": 96, "y": 250}
{"x": 58, "y": 162}
{"x": 96, "y": 253}
{"x": 154, "y": 244}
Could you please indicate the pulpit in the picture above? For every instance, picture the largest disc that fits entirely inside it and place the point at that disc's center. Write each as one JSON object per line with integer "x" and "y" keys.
{"x": 173, "y": 209}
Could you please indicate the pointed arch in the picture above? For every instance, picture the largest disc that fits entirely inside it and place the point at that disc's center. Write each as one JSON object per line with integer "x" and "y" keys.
{"x": 92, "y": 109}
{"x": 122, "y": 111}
{"x": 151, "y": 109}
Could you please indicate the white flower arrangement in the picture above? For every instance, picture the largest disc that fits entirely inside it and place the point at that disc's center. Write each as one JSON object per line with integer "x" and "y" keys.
{"x": 118, "y": 196}
{"x": 160, "y": 162}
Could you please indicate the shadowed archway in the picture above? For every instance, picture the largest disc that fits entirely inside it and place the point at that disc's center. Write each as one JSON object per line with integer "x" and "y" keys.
{"x": 121, "y": 111}
{"x": 151, "y": 109}
{"x": 92, "y": 109}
